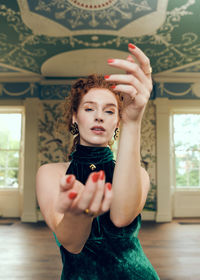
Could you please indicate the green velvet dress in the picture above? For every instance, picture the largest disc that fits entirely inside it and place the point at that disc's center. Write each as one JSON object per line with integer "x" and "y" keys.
{"x": 110, "y": 252}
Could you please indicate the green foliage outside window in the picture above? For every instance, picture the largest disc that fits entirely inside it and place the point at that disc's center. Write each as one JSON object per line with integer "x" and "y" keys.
{"x": 10, "y": 138}
{"x": 187, "y": 150}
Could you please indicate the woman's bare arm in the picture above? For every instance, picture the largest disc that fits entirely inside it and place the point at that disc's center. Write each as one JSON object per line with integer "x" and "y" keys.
{"x": 65, "y": 215}
{"x": 130, "y": 181}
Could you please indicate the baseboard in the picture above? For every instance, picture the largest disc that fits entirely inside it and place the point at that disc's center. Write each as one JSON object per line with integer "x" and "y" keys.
{"x": 148, "y": 215}
{"x": 32, "y": 218}
{"x": 161, "y": 218}
{"x": 39, "y": 216}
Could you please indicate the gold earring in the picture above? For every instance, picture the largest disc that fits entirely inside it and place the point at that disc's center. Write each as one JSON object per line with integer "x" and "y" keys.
{"x": 116, "y": 135}
{"x": 110, "y": 143}
{"x": 74, "y": 129}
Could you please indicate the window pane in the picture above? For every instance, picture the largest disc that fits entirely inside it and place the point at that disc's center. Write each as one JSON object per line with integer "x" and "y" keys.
{"x": 9, "y": 158}
{"x": 10, "y": 140}
{"x": 2, "y": 178}
{"x": 187, "y": 150}
{"x": 13, "y": 159}
{"x": 3, "y": 156}
{"x": 10, "y": 131}
{"x": 12, "y": 178}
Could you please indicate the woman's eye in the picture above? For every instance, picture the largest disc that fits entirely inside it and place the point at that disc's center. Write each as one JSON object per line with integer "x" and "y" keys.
{"x": 88, "y": 109}
{"x": 110, "y": 112}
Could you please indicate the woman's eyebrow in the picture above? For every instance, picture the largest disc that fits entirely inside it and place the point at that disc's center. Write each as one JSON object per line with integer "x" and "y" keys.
{"x": 107, "y": 104}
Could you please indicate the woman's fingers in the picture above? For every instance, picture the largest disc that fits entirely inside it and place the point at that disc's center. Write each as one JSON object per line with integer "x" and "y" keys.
{"x": 88, "y": 193}
{"x": 108, "y": 194}
{"x": 95, "y": 195}
{"x": 97, "y": 200}
{"x": 129, "y": 67}
{"x": 128, "y": 90}
{"x": 141, "y": 70}
{"x": 67, "y": 182}
{"x": 130, "y": 58}
{"x": 141, "y": 58}
{"x": 129, "y": 84}
{"x": 66, "y": 194}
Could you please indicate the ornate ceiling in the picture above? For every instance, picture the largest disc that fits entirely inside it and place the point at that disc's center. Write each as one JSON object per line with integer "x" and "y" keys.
{"x": 60, "y": 38}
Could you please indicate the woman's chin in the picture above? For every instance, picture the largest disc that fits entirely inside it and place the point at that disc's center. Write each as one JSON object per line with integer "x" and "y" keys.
{"x": 95, "y": 142}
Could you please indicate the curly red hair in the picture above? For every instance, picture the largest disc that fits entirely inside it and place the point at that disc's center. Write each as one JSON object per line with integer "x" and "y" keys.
{"x": 78, "y": 90}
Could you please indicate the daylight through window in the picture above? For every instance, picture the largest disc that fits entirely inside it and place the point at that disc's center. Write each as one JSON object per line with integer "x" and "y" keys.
{"x": 10, "y": 149}
{"x": 187, "y": 150}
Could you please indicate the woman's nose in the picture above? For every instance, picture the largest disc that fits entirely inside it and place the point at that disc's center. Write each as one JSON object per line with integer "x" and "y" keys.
{"x": 99, "y": 119}
{"x": 99, "y": 116}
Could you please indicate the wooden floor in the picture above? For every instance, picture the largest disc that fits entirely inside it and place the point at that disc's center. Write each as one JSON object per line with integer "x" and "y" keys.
{"x": 28, "y": 251}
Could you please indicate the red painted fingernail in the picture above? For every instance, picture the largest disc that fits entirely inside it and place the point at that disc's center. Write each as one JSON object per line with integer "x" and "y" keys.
{"x": 109, "y": 186}
{"x": 130, "y": 57}
{"x": 111, "y": 60}
{"x": 113, "y": 86}
{"x": 101, "y": 175}
{"x": 131, "y": 46}
{"x": 72, "y": 195}
{"x": 95, "y": 177}
{"x": 106, "y": 76}
{"x": 68, "y": 179}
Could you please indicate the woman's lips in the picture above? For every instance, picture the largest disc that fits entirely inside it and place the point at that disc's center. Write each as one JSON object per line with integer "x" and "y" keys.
{"x": 98, "y": 130}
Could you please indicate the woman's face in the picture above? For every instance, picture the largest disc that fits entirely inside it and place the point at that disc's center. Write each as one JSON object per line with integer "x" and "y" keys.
{"x": 97, "y": 117}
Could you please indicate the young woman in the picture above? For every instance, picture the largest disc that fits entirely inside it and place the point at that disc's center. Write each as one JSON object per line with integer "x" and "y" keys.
{"x": 95, "y": 223}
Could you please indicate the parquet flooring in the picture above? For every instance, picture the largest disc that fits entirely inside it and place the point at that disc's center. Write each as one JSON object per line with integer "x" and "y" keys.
{"x": 28, "y": 251}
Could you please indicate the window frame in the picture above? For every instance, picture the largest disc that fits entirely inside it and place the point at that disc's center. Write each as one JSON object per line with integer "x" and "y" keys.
{"x": 6, "y": 109}
{"x": 179, "y": 112}
{"x": 165, "y": 164}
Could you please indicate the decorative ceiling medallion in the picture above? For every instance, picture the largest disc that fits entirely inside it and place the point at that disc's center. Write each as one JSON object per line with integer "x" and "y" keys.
{"x": 89, "y": 16}
{"x": 92, "y": 5}
{"x": 55, "y": 66}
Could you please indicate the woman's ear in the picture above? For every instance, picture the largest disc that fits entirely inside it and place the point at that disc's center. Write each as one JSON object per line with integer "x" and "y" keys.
{"x": 118, "y": 124}
{"x": 74, "y": 118}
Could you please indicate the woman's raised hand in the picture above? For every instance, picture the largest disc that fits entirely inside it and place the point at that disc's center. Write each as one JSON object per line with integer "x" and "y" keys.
{"x": 135, "y": 85}
{"x": 93, "y": 199}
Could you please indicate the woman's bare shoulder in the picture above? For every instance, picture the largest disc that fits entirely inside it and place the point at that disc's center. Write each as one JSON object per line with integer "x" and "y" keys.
{"x": 54, "y": 168}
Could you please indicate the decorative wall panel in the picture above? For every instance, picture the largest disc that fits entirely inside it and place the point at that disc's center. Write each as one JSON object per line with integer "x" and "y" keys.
{"x": 53, "y": 142}
{"x": 54, "y": 146}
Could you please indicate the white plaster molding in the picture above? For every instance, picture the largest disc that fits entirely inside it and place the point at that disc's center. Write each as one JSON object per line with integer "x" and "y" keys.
{"x": 20, "y": 70}
{"x": 29, "y": 211}
{"x": 163, "y": 161}
{"x": 148, "y": 215}
{"x": 29, "y": 217}
{"x": 11, "y": 105}
{"x": 187, "y": 203}
{"x": 165, "y": 181}
{"x": 19, "y": 78}
{"x": 39, "y": 216}
{"x": 58, "y": 65}
{"x": 163, "y": 218}
{"x": 180, "y": 106}
{"x": 39, "y": 24}
{"x": 145, "y": 25}
{"x": 173, "y": 70}
{"x": 177, "y": 78}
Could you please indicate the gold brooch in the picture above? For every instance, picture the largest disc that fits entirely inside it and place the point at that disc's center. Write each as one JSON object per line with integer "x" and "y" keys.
{"x": 92, "y": 166}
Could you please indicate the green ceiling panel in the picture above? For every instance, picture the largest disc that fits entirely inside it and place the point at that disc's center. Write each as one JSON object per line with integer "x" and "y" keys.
{"x": 176, "y": 43}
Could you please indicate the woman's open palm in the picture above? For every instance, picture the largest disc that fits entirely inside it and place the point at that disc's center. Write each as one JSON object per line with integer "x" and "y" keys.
{"x": 75, "y": 197}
